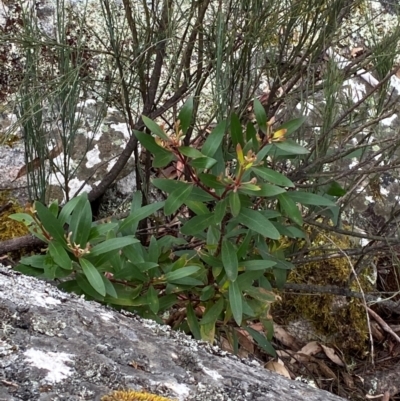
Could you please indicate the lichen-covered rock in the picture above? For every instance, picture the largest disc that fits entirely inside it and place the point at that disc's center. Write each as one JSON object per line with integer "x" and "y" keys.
{"x": 56, "y": 346}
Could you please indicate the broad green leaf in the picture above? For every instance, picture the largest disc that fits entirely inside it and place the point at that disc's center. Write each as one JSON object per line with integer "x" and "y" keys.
{"x": 81, "y": 222}
{"x": 25, "y": 218}
{"x": 60, "y": 255}
{"x": 290, "y": 209}
{"x": 207, "y": 332}
{"x": 214, "y": 140}
{"x": 248, "y": 186}
{"x": 244, "y": 246}
{"x": 140, "y": 214}
{"x": 175, "y": 199}
{"x": 136, "y": 203}
{"x": 260, "y": 114}
{"x": 99, "y": 230}
{"x": 190, "y": 152}
{"x": 261, "y": 341}
{"x": 236, "y": 302}
{"x": 211, "y": 315}
{"x": 207, "y": 293}
{"x": 162, "y": 159}
{"x": 197, "y": 207}
{"x": 87, "y": 288}
{"x": 54, "y": 208}
{"x": 213, "y": 236}
{"x": 210, "y": 260}
{"x": 168, "y": 186}
{"x": 166, "y": 302}
{"x": 155, "y": 128}
{"x": 130, "y": 272}
{"x": 335, "y": 189}
{"x": 247, "y": 279}
{"x": 110, "y": 290}
{"x": 258, "y": 223}
{"x": 187, "y": 282}
{"x": 134, "y": 253}
{"x": 167, "y": 242}
{"x": 197, "y": 224}
{"x": 307, "y": 198}
{"x": 67, "y": 209}
{"x": 52, "y": 225}
{"x": 291, "y": 147}
{"x": 152, "y": 299}
{"x": 236, "y": 131}
{"x": 28, "y": 270}
{"x": 219, "y": 168}
{"x": 148, "y": 142}
{"x": 203, "y": 162}
{"x": 93, "y": 276}
{"x": 268, "y": 328}
{"x": 34, "y": 261}
{"x": 181, "y": 273}
{"x": 229, "y": 259}
{"x": 185, "y": 115}
{"x": 126, "y": 296}
{"x": 154, "y": 251}
{"x": 266, "y": 190}
{"x": 251, "y": 135}
{"x": 112, "y": 245}
{"x": 292, "y": 125}
{"x": 234, "y": 203}
{"x": 220, "y": 211}
{"x": 280, "y": 277}
{"x": 260, "y": 264}
{"x": 272, "y": 176}
{"x": 211, "y": 181}
{"x": 289, "y": 231}
{"x": 193, "y": 322}
{"x": 262, "y": 154}
{"x": 261, "y": 294}
{"x": 50, "y": 270}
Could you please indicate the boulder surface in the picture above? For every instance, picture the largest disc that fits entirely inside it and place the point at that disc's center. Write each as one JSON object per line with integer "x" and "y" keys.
{"x": 57, "y": 346}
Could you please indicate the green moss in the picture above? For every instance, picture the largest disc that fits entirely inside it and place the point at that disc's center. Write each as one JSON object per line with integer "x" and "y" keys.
{"x": 339, "y": 321}
{"x": 9, "y": 228}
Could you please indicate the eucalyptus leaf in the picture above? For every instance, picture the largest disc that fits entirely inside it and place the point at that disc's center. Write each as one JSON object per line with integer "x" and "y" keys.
{"x": 229, "y": 259}
{"x": 176, "y": 198}
{"x": 185, "y": 115}
{"x": 258, "y": 223}
{"x": 214, "y": 139}
{"x": 236, "y": 302}
{"x": 155, "y": 128}
{"x": 93, "y": 276}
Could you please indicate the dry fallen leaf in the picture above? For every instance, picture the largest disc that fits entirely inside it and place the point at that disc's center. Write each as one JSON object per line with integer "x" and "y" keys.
{"x": 281, "y": 335}
{"x": 35, "y": 163}
{"x": 277, "y": 367}
{"x": 311, "y": 348}
{"x": 331, "y": 354}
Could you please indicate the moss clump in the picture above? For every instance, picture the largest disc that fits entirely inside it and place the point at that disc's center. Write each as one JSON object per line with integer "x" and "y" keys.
{"x": 9, "y": 228}
{"x": 131, "y": 395}
{"x": 339, "y": 321}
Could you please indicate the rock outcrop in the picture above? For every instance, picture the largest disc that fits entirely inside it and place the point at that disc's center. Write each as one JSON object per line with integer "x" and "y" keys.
{"x": 57, "y": 346}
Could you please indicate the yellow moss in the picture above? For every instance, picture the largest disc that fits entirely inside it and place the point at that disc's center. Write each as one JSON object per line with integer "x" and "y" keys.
{"x": 131, "y": 395}
{"x": 10, "y": 228}
{"x": 339, "y": 321}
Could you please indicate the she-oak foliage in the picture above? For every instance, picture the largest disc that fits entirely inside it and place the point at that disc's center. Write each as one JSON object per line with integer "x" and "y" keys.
{"x": 231, "y": 203}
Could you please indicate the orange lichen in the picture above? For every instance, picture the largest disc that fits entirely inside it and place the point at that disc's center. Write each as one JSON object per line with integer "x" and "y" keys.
{"x": 131, "y": 395}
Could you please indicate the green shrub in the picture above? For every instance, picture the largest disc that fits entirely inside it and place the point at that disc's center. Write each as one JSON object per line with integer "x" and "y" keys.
{"x": 234, "y": 212}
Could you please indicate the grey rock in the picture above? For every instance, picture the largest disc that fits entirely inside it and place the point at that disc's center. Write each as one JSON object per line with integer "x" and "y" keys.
{"x": 57, "y": 346}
